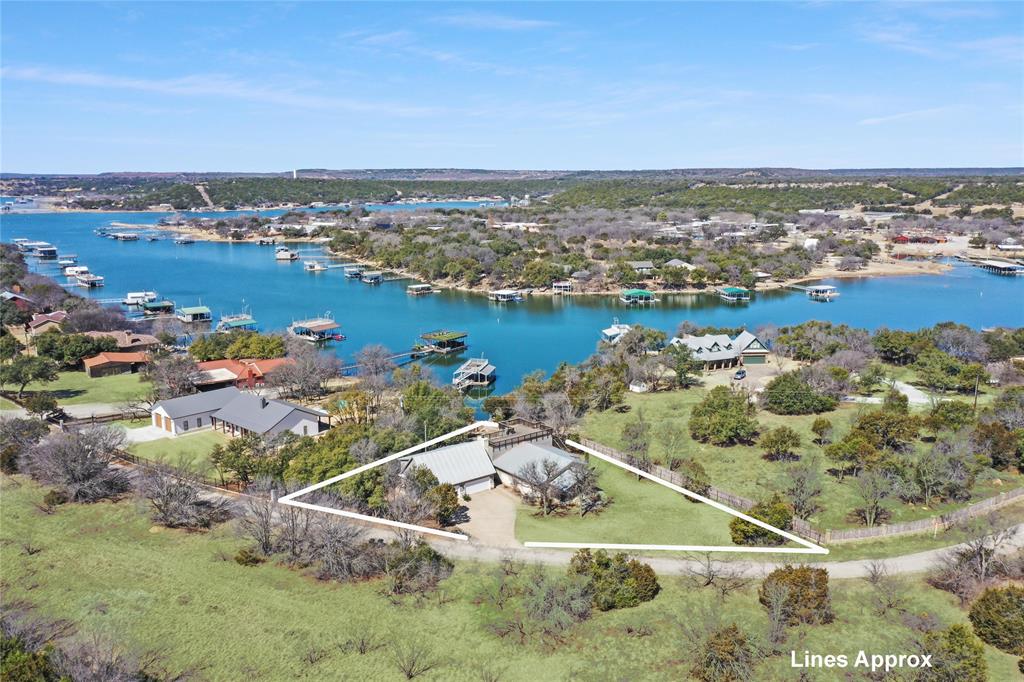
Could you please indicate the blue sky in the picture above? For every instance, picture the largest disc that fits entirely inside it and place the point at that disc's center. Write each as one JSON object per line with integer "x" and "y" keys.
{"x": 90, "y": 87}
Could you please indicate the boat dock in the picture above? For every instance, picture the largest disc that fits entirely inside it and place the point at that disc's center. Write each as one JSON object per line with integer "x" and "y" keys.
{"x": 475, "y": 372}
{"x": 637, "y": 297}
{"x": 734, "y": 294}
{"x": 817, "y": 292}
{"x": 316, "y": 329}
{"x": 443, "y": 341}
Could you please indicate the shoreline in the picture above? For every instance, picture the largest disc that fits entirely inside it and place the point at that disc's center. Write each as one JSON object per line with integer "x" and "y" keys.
{"x": 873, "y": 269}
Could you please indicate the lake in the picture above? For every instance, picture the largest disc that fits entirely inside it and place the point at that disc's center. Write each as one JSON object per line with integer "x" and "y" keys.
{"x": 518, "y": 338}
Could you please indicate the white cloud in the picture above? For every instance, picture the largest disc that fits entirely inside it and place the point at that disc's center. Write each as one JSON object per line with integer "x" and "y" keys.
{"x": 917, "y": 113}
{"x": 494, "y": 22}
{"x": 209, "y": 85}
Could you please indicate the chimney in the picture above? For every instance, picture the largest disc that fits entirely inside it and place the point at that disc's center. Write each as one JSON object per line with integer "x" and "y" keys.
{"x": 263, "y": 403}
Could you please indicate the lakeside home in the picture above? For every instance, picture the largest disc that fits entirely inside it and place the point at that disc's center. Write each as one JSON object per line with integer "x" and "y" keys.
{"x": 718, "y": 351}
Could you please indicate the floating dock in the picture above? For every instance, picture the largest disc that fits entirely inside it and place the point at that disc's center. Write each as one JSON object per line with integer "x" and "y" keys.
{"x": 443, "y": 341}
{"x": 734, "y": 294}
{"x": 637, "y": 297}
{"x": 316, "y": 329}
{"x": 475, "y": 372}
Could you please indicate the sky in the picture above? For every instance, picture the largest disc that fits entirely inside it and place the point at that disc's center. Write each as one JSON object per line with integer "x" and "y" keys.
{"x": 121, "y": 86}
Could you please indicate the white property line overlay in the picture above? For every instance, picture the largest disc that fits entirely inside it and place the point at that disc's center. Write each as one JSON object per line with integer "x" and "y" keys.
{"x": 811, "y": 548}
{"x": 807, "y": 546}
{"x": 291, "y": 501}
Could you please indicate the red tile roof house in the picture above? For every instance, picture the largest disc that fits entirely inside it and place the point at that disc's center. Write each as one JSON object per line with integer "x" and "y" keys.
{"x": 44, "y": 322}
{"x": 109, "y": 363}
{"x": 20, "y": 302}
{"x": 128, "y": 340}
{"x": 238, "y": 373}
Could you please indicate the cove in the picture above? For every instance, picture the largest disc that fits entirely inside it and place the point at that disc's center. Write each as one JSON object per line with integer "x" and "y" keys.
{"x": 517, "y": 338}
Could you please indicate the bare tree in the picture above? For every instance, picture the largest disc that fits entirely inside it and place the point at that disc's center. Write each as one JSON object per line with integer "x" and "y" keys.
{"x": 79, "y": 463}
{"x": 584, "y": 487}
{"x": 776, "y": 595}
{"x": 873, "y": 489}
{"x": 258, "y": 521}
{"x": 179, "y": 502}
{"x": 413, "y": 658}
{"x": 335, "y": 546}
{"x": 539, "y": 478}
{"x": 804, "y": 483}
{"x": 173, "y": 376}
{"x": 725, "y": 577}
{"x": 559, "y": 413}
{"x": 888, "y": 590}
{"x": 306, "y": 372}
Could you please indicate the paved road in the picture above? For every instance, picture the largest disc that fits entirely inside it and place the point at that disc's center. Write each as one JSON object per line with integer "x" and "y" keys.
{"x": 915, "y": 396}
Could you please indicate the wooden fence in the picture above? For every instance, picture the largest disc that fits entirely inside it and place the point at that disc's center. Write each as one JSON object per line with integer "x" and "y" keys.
{"x": 216, "y": 484}
{"x": 828, "y": 535}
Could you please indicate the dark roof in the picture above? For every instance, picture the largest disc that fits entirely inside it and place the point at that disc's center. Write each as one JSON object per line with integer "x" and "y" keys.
{"x": 198, "y": 402}
{"x": 253, "y": 413}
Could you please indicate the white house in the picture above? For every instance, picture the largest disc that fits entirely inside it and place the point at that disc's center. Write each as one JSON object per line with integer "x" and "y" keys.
{"x": 236, "y": 413}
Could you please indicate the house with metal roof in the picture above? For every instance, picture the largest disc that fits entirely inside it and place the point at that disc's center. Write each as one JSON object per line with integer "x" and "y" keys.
{"x": 467, "y": 466}
{"x": 196, "y": 313}
{"x": 511, "y": 464}
{"x": 236, "y": 413}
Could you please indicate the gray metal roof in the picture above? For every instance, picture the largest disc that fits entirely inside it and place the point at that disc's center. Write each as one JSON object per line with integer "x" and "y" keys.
{"x": 522, "y": 455}
{"x": 256, "y": 414}
{"x": 457, "y": 463}
{"x": 198, "y": 402}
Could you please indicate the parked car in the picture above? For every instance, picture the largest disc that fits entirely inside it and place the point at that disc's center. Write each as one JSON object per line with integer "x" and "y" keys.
{"x": 740, "y": 374}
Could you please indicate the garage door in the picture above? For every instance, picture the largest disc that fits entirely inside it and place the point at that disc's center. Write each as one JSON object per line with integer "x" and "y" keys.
{"x": 478, "y": 485}
{"x": 168, "y": 424}
{"x": 754, "y": 360}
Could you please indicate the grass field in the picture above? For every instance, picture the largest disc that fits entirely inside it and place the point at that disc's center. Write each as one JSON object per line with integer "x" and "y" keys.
{"x": 743, "y": 470}
{"x": 641, "y": 512}
{"x": 191, "y": 451}
{"x": 75, "y": 388}
{"x": 108, "y": 570}
{"x": 6, "y": 404}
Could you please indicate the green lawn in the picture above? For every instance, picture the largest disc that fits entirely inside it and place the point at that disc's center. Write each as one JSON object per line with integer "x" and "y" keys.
{"x": 641, "y": 512}
{"x": 190, "y": 451}
{"x": 6, "y": 404}
{"x": 109, "y": 571}
{"x": 76, "y": 388}
{"x": 744, "y": 471}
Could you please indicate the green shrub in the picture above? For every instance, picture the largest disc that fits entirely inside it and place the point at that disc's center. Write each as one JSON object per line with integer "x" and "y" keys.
{"x": 723, "y": 418}
{"x": 726, "y": 656}
{"x": 617, "y": 581}
{"x": 697, "y": 479}
{"x": 775, "y": 512}
{"x": 789, "y": 393}
{"x": 248, "y": 557}
{"x": 998, "y": 618}
{"x": 807, "y": 597}
{"x": 55, "y": 498}
{"x": 957, "y": 656}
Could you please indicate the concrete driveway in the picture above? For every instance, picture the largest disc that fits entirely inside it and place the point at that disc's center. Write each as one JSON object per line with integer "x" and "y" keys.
{"x": 145, "y": 434}
{"x": 492, "y": 518}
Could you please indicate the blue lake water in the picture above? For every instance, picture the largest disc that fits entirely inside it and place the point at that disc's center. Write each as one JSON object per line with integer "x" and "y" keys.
{"x": 536, "y": 334}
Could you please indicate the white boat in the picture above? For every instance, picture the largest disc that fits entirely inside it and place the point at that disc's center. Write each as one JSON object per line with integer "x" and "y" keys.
{"x": 76, "y": 270}
{"x": 184, "y": 240}
{"x": 139, "y": 297}
{"x": 284, "y": 253}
